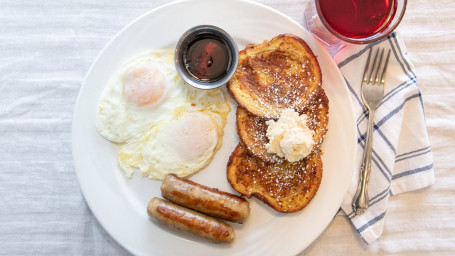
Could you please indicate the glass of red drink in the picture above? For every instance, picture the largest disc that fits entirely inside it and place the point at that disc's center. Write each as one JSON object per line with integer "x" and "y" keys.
{"x": 337, "y": 22}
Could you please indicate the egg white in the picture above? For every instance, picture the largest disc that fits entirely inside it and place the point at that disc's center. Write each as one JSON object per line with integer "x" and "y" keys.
{"x": 155, "y": 156}
{"x": 138, "y": 130}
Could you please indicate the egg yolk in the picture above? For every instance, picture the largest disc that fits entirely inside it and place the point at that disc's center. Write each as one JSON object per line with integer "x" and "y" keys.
{"x": 194, "y": 134}
{"x": 144, "y": 86}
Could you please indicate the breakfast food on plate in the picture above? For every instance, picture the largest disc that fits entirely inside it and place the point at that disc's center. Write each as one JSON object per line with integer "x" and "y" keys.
{"x": 191, "y": 203}
{"x": 252, "y": 130}
{"x": 207, "y": 200}
{"x": 286, "y": 187}
{"x": 282, "y": 119}
{"x": 276, "y": 75}
{"x": 189, "y": 221}
{"x": 289, "y": 136}
{"x": 160, "y": 124}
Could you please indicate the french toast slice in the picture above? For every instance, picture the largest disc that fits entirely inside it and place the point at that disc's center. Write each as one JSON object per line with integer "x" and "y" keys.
{"x": 275, "y": 75}
{"x": 252, "y": 130}
{"x": 286, "y": 187}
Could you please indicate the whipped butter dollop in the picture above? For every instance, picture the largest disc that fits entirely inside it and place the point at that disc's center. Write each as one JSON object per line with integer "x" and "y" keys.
{"x": 289, "y": 136}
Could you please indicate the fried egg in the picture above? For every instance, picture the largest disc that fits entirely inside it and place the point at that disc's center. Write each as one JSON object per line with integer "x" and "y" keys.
{"x": 160, "y": 124}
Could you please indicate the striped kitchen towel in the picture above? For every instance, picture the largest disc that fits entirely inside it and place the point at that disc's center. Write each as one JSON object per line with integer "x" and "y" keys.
{"x": 402, "y": 159}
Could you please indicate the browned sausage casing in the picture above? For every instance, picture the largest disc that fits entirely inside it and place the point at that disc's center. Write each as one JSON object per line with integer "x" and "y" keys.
{"x": 189, "y": 221}
{"x": 210, "y": 201}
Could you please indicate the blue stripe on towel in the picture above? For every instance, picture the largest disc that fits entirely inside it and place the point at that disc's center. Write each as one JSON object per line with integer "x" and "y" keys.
{"x": 362, "y": 137}
{"x": 375, "y": 199}
{"x": 398, "y": 89}
{"x": 376, "y": 159}
{"x": 401, "y": 59}
{"x": 412, "y": 152}
{"x": 386, "y": 140}
{"x": 384, "y": 119}
{"x": 382, "y": 197}
{"x": 371, "y": 222}
{"x": 397, "y": 109}
{"x": 354, "y": 56}
{"x": 354, "y": 94}
{"x": 416, "y": 155}
{"x": 387, "y": 96}
{"x": 384, "y": 192}
{"x": 423, "y": 107}
{"x": 383, "y": 168}
{"x": 362, "y": 116}
{"x": 404, "y": 61}
{"x": 368, "y": 47}
{"x": 414, "y": 171}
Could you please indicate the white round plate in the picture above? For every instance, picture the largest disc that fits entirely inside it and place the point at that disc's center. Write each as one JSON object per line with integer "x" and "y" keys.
{"x": 119, "y": 203}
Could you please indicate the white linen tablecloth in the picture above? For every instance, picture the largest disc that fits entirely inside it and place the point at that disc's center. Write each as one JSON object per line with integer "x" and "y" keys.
{"x": 46, "y": 48}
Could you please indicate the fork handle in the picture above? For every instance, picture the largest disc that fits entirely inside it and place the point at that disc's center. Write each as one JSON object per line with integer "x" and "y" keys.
{"x": 361, "y": 200}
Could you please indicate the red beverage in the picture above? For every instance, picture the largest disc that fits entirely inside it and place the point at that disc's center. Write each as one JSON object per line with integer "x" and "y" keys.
{"x": 357, "y": 18}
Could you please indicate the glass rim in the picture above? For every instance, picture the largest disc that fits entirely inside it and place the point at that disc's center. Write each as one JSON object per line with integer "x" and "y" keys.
{"x": 366, "y": 40}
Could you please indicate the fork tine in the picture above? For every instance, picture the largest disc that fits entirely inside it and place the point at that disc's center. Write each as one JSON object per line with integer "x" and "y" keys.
{"x": 373, "y": 67}
{"x": 386, "y": 64}
{"x": 367, "y": 66}
{"x": 376, "y": 77}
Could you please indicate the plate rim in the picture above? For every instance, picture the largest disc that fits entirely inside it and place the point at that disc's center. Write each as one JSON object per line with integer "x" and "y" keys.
{"x": 100, "y": 54}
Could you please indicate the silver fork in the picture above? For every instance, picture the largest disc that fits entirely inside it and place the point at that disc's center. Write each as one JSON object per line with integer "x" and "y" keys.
{"x": 372, "y": 91}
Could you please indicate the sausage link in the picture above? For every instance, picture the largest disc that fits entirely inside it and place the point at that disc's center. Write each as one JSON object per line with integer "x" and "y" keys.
{"x": 189, "y": 221}
{"x": 200, "y": 198}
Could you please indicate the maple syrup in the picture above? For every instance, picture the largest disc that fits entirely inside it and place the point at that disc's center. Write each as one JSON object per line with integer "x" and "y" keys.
{"x": 207, "y": 58}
